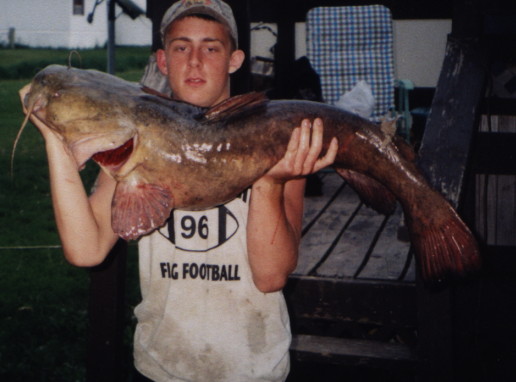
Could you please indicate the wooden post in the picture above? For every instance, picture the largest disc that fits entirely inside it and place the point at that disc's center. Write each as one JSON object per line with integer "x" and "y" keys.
{"x": 111, "y": 36}
{"x": 155, "y": 11}
{"x": 285, "y": 54}
{"x": 12, "y": 38}
{"x": 444, "y": 155}
{"x": 241, "y": 79}
{"x": 106, "y": 313}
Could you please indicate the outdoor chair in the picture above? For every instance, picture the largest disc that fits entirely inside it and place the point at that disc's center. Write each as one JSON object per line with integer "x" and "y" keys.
{"x": 351, "y": 43}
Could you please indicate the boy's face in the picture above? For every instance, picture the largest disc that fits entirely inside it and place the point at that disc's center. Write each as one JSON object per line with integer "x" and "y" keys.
{"x": 197, "y": 59}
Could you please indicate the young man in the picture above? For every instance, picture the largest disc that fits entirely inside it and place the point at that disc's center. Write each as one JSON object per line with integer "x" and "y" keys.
{"x": 211, "y": 305}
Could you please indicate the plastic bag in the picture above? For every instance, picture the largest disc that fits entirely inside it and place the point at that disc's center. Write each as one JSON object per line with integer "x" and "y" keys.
{"x": 359, "y": 100}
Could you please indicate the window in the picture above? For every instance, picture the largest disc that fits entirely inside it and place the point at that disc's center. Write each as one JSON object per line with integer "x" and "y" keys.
{"x": 78, "y": 7}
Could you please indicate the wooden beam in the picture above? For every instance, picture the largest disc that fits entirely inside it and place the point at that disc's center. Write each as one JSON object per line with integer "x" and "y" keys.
{"x": 495, "y": 153}
{"x": 241, "y": 79}
{"x": 285, "y": 49}
{"x": 155, "y": 11}
{"x": 500, "y": 106}
{"x": 468, "y": 17}
{"x": 453, "y": 117}
{"x": 343, "y": 351}
{"x": 445, "y": 152}
{"x": 266, "y": 10}
{"x": 373, "y": 302}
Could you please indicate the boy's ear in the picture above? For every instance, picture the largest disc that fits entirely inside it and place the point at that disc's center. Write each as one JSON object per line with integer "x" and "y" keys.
{"x": 161, "y": 61}
{"x": 236, "y": 60}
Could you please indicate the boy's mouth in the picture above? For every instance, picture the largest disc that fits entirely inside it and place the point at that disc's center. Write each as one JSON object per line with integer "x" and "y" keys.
{"x": 195, "y": 81}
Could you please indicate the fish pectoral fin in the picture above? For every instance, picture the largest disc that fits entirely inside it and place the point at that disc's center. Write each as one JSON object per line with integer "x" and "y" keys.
{"x": 139, "y": 209}
{"x": 370, "y": 191}
{"x": 236, "y": 104}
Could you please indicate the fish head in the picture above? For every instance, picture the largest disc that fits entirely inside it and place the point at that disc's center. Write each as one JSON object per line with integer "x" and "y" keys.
{"x": 88, "y": 110}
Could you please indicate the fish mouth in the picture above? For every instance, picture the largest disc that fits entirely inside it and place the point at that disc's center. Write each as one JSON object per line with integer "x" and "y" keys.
{"x": 110, "y": 152}
{"x": 115, "y": 158}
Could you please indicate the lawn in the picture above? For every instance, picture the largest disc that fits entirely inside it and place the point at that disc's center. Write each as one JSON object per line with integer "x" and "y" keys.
{"x": 24, "y": 63}
{"x": 43, "y": 299}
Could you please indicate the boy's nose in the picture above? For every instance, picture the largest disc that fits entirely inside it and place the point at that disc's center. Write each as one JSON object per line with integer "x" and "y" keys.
{"x": 194, "y": 58}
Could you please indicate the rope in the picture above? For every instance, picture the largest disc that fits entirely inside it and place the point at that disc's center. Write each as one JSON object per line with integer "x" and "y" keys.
{"x": 32, "y": 247}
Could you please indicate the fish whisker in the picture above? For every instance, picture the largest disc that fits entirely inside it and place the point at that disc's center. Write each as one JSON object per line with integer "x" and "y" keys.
{"x": 24, "y": 123}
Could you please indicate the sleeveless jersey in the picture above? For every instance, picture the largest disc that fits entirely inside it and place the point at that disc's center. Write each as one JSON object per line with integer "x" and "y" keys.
{"x": 201, "y": 317}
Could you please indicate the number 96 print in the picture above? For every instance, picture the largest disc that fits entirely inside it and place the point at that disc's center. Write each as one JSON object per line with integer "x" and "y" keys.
{"x": 200, "y": 231}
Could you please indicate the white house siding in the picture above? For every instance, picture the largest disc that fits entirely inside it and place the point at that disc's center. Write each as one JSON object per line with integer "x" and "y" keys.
{"x": 133, "y": 32}
{"x": 51, "y": 23}
{"x": 82, "y": 34}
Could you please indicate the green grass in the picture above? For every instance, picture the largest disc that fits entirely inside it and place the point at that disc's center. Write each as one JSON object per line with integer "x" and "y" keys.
{"x": 25, "y": 193}
{"x": 25, "y": 63}
{"x": 43, "y": 299}
{"x": 43, "y": 317}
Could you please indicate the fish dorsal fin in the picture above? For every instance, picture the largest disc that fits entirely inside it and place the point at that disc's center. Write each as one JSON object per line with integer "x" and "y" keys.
{"x": 151, "y": 91}
{"x": 235, "y": 104}
{"x": 388, "y": 126}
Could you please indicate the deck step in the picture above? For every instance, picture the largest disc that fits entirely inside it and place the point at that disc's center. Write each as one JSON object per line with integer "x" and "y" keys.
{"x": 354, "y": 352}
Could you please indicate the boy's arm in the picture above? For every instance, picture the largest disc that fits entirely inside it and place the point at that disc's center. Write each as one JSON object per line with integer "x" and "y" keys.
{"x": 84, "y": 224}
{"x": 276, "y": 208}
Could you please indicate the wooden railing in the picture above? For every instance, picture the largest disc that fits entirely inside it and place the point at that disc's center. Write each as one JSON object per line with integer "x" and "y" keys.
{"x": 445, "y": 158}
{"x": 445, "y": 154}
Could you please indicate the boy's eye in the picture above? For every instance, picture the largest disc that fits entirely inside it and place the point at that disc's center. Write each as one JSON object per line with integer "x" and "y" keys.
{"x": 178, "y": 46}
{"x": 212, "y": 48}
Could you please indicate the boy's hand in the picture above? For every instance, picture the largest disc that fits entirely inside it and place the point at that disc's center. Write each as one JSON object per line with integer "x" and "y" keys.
{"x": 44, "y": 129}
{"x": 302, "y": 155}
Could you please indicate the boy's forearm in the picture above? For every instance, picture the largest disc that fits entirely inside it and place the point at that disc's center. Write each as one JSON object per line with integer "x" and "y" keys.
{"x": 83, "y": 242}
{"x": 273, "y": 232}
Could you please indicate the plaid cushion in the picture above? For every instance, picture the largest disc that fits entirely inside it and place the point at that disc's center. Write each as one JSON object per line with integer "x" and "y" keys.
{"x": 349, "y": 44}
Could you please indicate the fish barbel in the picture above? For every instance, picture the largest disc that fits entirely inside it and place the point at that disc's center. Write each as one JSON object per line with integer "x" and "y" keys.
{"x": 166, "y": 154}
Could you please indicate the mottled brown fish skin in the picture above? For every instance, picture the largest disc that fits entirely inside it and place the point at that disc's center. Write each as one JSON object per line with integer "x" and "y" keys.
{"x": 166, "y": 154}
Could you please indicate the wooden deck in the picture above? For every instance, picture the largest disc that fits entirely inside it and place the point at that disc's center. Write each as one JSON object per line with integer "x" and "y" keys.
{"x": 344, "y": 239}
{"x": 352, "y": 296}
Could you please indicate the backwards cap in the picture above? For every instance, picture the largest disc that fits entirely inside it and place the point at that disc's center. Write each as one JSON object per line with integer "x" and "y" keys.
{"x": 217, "y": 9}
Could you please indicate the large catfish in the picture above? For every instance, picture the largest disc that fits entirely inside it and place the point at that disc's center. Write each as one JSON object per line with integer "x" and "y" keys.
{"x": 166, "y": 154}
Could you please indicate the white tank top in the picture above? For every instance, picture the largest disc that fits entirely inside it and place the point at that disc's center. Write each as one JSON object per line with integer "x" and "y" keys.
{"x": 201, "y": 317}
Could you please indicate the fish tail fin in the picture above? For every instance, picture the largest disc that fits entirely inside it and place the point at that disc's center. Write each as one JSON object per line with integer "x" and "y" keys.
{"x": 138, "y": 210}
{"x": 443, "y": 244}
{"x": 370, "y": 191}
